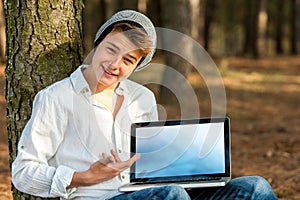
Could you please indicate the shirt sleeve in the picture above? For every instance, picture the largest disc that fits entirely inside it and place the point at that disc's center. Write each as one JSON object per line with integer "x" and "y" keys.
{"x": 40, "y": 140}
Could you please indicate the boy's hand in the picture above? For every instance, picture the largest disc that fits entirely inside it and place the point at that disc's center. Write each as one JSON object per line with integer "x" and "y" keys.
{"x": 105, "y": 169}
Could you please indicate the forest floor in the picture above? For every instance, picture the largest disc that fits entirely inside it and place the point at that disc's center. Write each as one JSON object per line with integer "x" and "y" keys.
{"x": 263, "y": 98}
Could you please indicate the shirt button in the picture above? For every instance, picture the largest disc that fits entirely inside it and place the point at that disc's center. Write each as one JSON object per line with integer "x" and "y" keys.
{"x": 123, "y": 177}
{"x": 120, "y": 151}
{"x": 119, "y": 91}
{"x": 22, "y": 147}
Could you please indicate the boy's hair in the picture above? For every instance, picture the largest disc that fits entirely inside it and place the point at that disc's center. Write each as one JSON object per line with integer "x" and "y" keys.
{"x": 136, "y": 35}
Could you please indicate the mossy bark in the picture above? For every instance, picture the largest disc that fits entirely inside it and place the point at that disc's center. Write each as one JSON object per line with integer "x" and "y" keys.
{"x": 43, "y": 45}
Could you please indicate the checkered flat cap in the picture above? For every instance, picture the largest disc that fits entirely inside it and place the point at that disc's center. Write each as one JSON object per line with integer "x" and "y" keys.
{"x": 134, "y": 18}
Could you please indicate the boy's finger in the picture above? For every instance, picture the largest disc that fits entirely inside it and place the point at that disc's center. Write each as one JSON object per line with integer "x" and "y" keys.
{"x": 126, "y": 164}
{"x": 116, "y": 156}
{"x": 104, "y": 155}
{"x": 106, "y": 159}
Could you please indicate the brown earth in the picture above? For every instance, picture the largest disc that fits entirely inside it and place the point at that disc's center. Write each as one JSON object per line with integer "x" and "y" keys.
{"x": 263, "y": 99}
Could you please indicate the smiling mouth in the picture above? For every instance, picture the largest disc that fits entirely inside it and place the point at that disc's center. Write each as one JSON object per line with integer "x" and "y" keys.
{"x": 108, "y": 72}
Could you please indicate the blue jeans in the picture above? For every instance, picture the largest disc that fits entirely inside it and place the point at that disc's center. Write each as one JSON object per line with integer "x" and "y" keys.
{"x": 247, "y": 187}
{"x": 170, "y": 192}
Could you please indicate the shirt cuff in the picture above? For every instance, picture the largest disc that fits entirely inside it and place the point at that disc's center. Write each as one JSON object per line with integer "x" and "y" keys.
{"x": 61, "y": 180}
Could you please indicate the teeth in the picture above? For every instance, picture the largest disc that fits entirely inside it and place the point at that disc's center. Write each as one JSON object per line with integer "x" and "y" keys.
{"x": 109, "y": 72}
{"x": 106, "y": 71}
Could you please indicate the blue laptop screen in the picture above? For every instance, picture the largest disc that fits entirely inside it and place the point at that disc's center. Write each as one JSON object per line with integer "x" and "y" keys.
{"x": 184, "y": 149}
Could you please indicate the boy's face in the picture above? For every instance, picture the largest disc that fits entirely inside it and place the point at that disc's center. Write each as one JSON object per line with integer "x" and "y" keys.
{"x": 114, "y": 60}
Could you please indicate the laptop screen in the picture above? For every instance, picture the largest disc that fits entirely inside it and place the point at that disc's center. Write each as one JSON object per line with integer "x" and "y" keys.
{"x": 181, "y": 149}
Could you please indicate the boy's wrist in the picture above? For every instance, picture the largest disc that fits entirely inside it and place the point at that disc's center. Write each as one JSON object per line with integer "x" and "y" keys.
{"x": 81, "y": 179}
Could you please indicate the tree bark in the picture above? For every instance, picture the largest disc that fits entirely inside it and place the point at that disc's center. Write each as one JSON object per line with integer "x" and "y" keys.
{"x": 112, "y": 6}
{"x": 2, "y": 33}
{"x": 93, "y": 17}
{"x": 262, "y": 21}
{"x": 279, "y": 27}
{"x": 129, "y": 4}
{"x": 43, "y": 46}
{"x": 195, "y": 18}
{"x": 154, "y": 11}
{"x": 202, "y": 11}
{"x": 175, "y": 16}
{"x": 295, "y": 27}
{"x": 250, "y": 26}
{"x": 209, "y": 16}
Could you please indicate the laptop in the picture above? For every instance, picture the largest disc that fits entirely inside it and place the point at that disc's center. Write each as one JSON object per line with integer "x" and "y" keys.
{"x": 192, "y": 153}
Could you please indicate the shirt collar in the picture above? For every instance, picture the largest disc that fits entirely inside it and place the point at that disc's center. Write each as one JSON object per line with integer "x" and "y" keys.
{"x": 80, "y": 84}
{"x": 78, "y": 81}
{"x": 122, "y": 88}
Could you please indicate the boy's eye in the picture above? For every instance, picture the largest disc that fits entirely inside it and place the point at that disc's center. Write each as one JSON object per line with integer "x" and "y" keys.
{"x": 129, "y": 61}
{"x": 111, "y": 50}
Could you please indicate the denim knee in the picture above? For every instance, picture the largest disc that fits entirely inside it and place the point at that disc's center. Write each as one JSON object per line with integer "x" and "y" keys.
{"x": 256, "y": 186}
{"x": 169, "y": 192}
{"x": 176, "y": 192}
{"x": 263, "y": 188}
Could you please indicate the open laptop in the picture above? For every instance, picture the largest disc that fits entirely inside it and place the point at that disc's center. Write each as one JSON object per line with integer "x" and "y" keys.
{"x": 192, "y": 153}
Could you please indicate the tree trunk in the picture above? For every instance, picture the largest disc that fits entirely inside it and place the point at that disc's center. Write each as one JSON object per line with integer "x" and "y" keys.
{"x": 247, "y": 28}
{"x": 195, "y": 12}
{"x": 230, "y": 20}
{"x": 2, "y": 34}
{"x": 129, "y": 4}
{"x": 175, "y": 16}
{"x": 295, "y": 27}
{"x": 279, "y": 27}
{"x": 94, "y": 16}
{"x": 154, "y": 11}
{"x": 262, "y": 20}
{"x": 43, "y": 46}
{"x": 202, "y": 11}
{"x": 209, "y": 15}
{"x": 111, "y": 7}
{"x": 250, "y": 25}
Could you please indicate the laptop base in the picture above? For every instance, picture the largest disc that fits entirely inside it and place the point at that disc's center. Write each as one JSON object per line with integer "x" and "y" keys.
{"x": 130, "y": 187}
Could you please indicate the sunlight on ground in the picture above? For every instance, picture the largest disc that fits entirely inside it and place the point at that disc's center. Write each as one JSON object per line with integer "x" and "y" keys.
{"x": 256, "y": 81}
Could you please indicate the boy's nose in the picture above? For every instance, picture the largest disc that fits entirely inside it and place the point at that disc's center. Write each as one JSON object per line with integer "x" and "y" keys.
{"x": 115, "y": 62}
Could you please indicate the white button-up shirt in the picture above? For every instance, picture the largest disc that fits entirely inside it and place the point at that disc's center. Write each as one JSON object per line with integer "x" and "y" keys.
{"x": 69, "y": 130}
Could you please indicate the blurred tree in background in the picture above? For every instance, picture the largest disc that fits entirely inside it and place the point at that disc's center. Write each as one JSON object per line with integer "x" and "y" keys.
{"x": 224, "y": 28}
{"x": 255, "y": 28}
